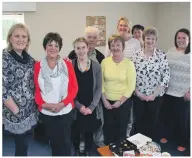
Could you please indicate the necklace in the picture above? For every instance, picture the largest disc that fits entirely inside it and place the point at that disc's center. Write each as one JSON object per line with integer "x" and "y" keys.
{"x": 117, "y": 61}
{"x": 87, "y": 67}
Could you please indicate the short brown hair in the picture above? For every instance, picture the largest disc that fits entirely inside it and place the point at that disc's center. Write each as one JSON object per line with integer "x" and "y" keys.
{"x": 80, "y": 39}
{"x": 150, "y": 31}
{"x": 51, "y": 36}
{"x": 12, "y": 29}
{"x": 115, "y": 38}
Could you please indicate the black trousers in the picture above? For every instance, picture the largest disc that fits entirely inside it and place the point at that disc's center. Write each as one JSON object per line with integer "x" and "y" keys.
{"x": 87, "y": 137}
{"x": 146, "y": 116}
{"x": 58, "y": 129}
{"x": 115, "y": 122}
{"x": 176, "y": 123}
{"x": 21, "y": 144}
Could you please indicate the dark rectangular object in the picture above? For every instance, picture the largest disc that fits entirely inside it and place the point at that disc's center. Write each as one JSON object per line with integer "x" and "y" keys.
{"x": 122, "y": 145}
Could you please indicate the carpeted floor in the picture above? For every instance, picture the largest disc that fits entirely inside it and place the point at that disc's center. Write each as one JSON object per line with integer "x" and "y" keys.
{"x": 42, "y": 149}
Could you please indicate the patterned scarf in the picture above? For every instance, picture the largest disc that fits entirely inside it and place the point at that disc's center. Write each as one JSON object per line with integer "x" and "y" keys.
{"x": 47, "y": 73}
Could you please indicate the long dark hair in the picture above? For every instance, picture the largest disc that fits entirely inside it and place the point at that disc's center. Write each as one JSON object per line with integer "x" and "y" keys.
{"x": 187, "y": 32}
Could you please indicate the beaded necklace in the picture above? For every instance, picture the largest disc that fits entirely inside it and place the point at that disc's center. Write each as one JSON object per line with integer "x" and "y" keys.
{"x": 87, "y": 68}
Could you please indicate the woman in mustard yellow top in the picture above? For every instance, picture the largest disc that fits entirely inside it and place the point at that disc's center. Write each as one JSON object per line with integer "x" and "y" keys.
{"x": 118, "y": 84}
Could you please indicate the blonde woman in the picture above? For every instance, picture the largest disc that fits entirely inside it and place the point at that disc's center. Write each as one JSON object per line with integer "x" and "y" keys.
{"x": 131, "y": 44}
{"x": 19, "y": 109}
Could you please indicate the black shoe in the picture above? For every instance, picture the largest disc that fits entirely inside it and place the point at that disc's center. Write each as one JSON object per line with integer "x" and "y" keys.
{"x": 86, "y": 153}
{"x": 77, "y": 152}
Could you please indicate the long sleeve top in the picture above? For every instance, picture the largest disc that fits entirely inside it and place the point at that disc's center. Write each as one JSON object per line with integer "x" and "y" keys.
{"x": 72, "y": 86}
{"x": 18, "y": 84}
{"x": 118, "y": 79}
{"x": 151, "y": 72}
{"x": 179, "y": 64}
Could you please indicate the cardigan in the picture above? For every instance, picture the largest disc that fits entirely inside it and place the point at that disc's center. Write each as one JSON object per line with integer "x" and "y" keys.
{"x": 97, "y": 87}
{"x": 118, "y": 79}
{"x": 72, "y": 55}
{"x": 72, "y": 86}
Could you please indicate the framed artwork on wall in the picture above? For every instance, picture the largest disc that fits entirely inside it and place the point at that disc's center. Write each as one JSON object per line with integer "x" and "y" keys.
{"x": 100, "y": 23}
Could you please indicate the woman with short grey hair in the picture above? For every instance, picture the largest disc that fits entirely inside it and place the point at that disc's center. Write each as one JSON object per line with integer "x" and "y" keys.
{"x": 153, "y": 76}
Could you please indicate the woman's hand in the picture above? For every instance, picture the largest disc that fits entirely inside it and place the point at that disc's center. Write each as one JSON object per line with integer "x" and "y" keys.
{"x": 66, "y": 58}
{"x": 15, "y": 110}
{"x": 150, "y": 97}
{"x": 11, "y": 105}
{"x": 48, "y": 106}
{"x": 187, "y": 96}
{"x": 55, "y": 108}
{"x": 117, "y": 104}
{"x": 88, "y": 111}
{"x": 106, "y": 102}
{"x": 83, "y": 110}
{"x": 140, "y": 95}
{"x": 107, "y": 105}
{"x": 58, "y": 107}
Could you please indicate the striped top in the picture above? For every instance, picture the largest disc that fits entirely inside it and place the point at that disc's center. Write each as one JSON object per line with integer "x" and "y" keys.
{"x": 179, "y": 64}
{"x": 131, "y": 46}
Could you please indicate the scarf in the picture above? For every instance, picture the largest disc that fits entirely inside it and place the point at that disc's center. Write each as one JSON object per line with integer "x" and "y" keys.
{"x": 18, "y": 58}
{"x": 47, "y": 73}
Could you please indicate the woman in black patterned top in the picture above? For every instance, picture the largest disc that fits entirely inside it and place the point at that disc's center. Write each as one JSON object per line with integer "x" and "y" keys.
{"x": 152, "y": 77}
{"x": 19, "y": 109}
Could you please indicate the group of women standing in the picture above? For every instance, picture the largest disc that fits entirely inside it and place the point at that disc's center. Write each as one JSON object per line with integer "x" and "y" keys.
{"x": 122, "y": 94}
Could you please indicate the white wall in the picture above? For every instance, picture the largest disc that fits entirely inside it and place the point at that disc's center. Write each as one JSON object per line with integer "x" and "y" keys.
{"x": 69, "y": 19}
{"x": 171, "y": 16}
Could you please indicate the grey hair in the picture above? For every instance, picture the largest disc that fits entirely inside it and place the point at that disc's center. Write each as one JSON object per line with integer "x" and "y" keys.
{"x": 91, "y": 29}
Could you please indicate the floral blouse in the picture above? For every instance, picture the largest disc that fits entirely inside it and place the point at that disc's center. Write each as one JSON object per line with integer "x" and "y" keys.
{"x": 151, "y": 72}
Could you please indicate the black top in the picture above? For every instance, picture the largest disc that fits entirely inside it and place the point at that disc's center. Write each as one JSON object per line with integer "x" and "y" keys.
{"x": 85, "y": 123}
{"x": 85, "y": 79}
{"x": 72, "y": 55}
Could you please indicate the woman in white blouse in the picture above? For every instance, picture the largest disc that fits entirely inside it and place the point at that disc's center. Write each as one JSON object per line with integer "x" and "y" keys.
{"x": 177, "y": 98}
{"x": 152, "y": 77}
{"x": 55, "y": 90}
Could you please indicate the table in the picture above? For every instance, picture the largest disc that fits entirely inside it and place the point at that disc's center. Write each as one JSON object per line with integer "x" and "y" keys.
{"x": 105, "y": 151}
